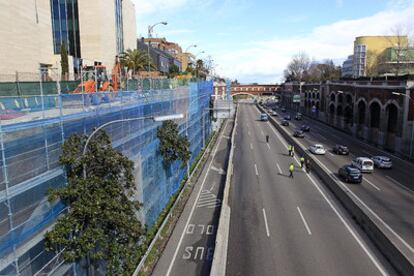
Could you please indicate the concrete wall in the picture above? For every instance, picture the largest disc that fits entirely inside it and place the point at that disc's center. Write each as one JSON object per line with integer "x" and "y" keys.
{"x": 129, "y": 24}
{"x": 25, "y": 36}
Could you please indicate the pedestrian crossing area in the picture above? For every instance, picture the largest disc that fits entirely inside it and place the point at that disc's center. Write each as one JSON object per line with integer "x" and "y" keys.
{"x": 208, "y": 199}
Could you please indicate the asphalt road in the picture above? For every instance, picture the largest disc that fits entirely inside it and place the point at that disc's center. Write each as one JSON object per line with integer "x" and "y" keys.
{"x": 191, "y": 247}
{"x": 388, "y": 193}
{"x": 284, "y": 226}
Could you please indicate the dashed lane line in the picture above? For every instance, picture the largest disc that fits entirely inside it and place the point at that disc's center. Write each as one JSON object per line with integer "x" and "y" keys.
{"x": 265, "y": 220}
{"x": 304, "y": 221}
{"x": 255, "y": 168}
{"x": 372, "y": 184}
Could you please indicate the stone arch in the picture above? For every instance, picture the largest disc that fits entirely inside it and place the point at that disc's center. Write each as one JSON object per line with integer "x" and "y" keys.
{"x": 348, "y": 99}
{"x": 332, "y": 109}
{"x": 375, "y": 114}
{"x": 339, "y": 110}
{"x": 244, "y": 93}
{"x": 391, "y": 111}
{"x": 340, "y": 98}
{"x": 317, "y": 105}
{"x": 332, "y": 97}
{"x": 362, "y": 106}
{"x": 348, "y": 113}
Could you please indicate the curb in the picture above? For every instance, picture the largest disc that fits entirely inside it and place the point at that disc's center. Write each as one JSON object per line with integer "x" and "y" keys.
{"x": 218, "y": 266}
{"x": 369, "y": 223}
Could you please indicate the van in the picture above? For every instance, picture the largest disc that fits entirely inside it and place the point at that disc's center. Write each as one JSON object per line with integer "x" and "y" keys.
{"x": 264, "y": 117}
{"x": 364, "y": 164}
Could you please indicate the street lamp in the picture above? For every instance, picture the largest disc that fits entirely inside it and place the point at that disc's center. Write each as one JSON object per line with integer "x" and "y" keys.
{"x": 412, "y": 126}
{"x": 150, "y": 29}
{"x": 154, "y": 118}
{"x": 191, "y": 46}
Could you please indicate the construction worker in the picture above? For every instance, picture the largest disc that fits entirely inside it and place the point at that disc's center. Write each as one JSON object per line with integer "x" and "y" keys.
{"x": 293, "y": 151}
{"x": 290, "y": 149}
{"x": 308, "y": 165}
{"x": 302, "y": 161}
{"x": 267, "y": 138}
{"x": 291, "y": 169}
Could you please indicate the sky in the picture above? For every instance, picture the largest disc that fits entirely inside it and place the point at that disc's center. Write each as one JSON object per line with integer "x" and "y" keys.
{"x": 254, "y": 40}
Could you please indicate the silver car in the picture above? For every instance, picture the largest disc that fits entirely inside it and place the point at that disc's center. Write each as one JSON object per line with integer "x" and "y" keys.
{"x": 382, "y": 162}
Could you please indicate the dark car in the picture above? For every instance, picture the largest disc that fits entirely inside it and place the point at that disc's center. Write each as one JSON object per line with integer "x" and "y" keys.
{"x": 341, "y": 150}
{"x": 283, "y": 109}
{"x": 298, "y": 117}
{"x": 305, "y": 128}
{"x": 287, "y": 118}
{"x": 299, "y": 134}
{"x": 285, "y": 123}
{"x": 350, "y": 174}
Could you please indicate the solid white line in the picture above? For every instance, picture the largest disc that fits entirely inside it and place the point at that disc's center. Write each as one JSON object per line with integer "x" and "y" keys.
{"x": 265, "y": 219}
{"x": 399, "y": 184}
{"x": 372, "y": 184}
{"x": 330, "y": 153}
{"x": 194, "y": 205}
{"x": 268, "y": 145}
{"x": 278, "y": 167}
{"x": 255, "y": 168}
{"x": 251, "y": 146}
{"x": 304, "y": 221}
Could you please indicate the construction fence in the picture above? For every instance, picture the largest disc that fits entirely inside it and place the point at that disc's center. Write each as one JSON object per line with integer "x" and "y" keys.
{"x": 32, "y": 130}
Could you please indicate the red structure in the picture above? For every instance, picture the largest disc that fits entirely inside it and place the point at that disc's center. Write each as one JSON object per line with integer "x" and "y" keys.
{"x": 255, "y": 89}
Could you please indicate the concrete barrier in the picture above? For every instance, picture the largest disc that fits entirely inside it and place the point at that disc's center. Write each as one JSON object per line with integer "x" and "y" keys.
{"x": 218, "y": 267}
{"x": 398, "y": 256}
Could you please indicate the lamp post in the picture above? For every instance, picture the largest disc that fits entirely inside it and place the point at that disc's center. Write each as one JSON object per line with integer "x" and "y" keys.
{"x": 412, "y": 125}
{"x": 188, "y": 48}
{"x": 150, "y": 29}
{"x": 154, "y": 118}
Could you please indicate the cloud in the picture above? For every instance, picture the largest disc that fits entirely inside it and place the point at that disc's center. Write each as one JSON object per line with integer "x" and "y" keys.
{"x": 334, "y": 41}
{"x": 150, "y": 6}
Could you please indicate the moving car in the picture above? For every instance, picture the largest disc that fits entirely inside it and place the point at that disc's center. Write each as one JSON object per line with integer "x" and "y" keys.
{"x": 264, "y": 117}
{"x": 382, "y": 162}
{"x": 317, "y": 149}
{"x": 274, "y": 113}
{"x": 350, "y": 174}
{"x": 340, "y": 150}
{"x": 305, "y": 128}
{"x": 287, "y": 118}
{"x": 364, "y": 164}
{"x": 299, "y": 134}
{"x": 285, "y": 123}
{"x": 298, "y": 117}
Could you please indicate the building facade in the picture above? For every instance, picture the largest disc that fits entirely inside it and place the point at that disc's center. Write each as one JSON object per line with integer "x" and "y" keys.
{"x": 93, "y": 31}
{"x": 368, "y": 48}
{"x": 347, "y": 67}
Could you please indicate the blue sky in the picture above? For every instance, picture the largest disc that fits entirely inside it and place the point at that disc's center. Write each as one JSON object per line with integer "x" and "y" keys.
{"x": 253, "y": 40}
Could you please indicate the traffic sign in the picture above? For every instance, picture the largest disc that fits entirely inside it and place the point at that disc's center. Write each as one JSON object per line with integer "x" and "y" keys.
{"x": 296, "y": 98}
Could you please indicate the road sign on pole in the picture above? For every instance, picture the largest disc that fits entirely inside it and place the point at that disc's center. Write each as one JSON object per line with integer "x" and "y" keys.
{"x": 296, "y": 98}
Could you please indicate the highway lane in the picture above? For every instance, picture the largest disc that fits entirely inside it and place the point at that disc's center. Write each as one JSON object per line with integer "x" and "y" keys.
{"x": 283, "y": 226}
{"x": 388, "y": 197}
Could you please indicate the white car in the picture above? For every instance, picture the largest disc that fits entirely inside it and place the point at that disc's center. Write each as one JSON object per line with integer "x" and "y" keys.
{"x": 382, "y": 162}
{"x": 364, "y": 164}
{"x": 317, "y": 149}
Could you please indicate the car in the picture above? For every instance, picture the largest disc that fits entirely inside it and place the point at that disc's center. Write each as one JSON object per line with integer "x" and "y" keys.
{"x": 283, "y": 109}
{"x": 287, "y": 118}
{"x": 364, "y": 164}
{"x": 274, "y": 113}
{"x": 350, "y": 174}
{"x": 299, "y": 134}
{"x": 305, "y": 128}
{"x": 382, "y": 162}
{"x": 298, "y": 117}
{"x": 285, "y": 123}
{"x": 340, "y": 150}
{"x": 317, "y": 149}
{"x": 264, "y": 117}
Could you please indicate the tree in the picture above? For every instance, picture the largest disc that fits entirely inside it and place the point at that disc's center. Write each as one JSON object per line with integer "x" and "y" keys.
{"x": 173, "y": 71}
{"x": 64, "y": 63}
{"x": 172, "y": 145}
{"x": 136, "y": 60}
{"x": 297, "y": 67}
{"x": 100, "y": 223}
{"x": 371, "y": 64}
{"x": 399, "y": 43}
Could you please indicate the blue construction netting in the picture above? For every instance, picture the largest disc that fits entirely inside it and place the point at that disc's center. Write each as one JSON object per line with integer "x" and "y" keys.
{"x": 33, "y": 129}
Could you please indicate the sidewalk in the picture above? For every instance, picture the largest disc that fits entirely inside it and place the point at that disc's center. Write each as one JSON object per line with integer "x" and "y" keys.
{"x": 191, "y": 246}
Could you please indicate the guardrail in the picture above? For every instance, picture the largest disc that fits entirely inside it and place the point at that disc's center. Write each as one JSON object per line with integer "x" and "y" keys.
{"x": 375, "y": 230}
{"x": 218, "y": 267}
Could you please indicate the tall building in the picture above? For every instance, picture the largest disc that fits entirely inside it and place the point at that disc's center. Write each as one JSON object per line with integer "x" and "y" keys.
{"x": 347, "y": 67}
{"x": 368, "y": 48}
{"x": 93, "y": 31}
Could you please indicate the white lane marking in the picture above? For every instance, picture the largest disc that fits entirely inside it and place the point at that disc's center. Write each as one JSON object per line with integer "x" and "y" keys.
{"x": 359, "y": 241}
{"x": 255, "y": 168}
{"x": 193, "y": 207}
{"x": 399, "y": 184}
{"x": 278, "y": 167}
{"x": 372, "y": 184}
{"x": 330, "y": 153}
{"x": 251, "y": 146}
{"x": 268, "y": 145}
{"x": 304, "y": 221}
{"x": 212, "y": 186}
{"x": 261, "y": 131}
{"x": 265, "y": 220}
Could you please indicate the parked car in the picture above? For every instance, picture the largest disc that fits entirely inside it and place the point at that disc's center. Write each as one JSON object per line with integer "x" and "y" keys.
{"x": 274, "y": 113}
{"x": 285, "y": 123}
{"x": 264, "y": 117}
{"x": 317, "y": 149}
{"x": 298, "y": 117}
{"x": 305, "y": 128}
{"x": 364, "y": 164}
{"x": 340, "y": 150}
{"x": 287, "y": 118}
{"x": 299, "y": 134}
{"x": 382, "y": 162}
{"x": 350, "y": 174}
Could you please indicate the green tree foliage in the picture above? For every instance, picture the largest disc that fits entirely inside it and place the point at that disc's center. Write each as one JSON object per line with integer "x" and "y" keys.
{"x": 174, "y": 71}
{"x": 64, "y": 63}
{"x": 101, "y": 222}
{"x": 172, "y": 145}
{"x": 136, "y": 60}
